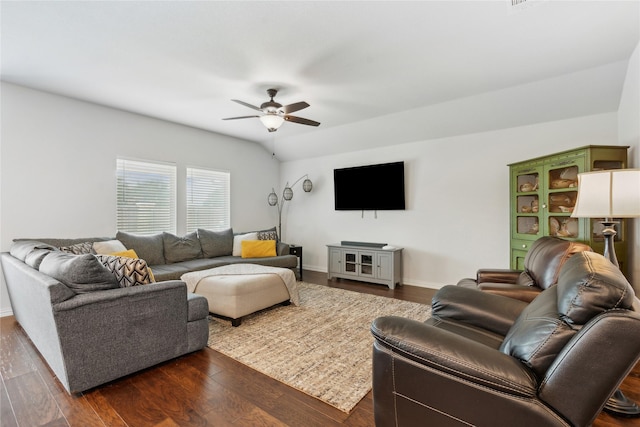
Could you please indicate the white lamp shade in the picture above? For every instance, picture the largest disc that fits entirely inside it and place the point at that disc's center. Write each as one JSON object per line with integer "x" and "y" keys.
{"x": 272, "y": 121}
{"x": 608, "y": 194}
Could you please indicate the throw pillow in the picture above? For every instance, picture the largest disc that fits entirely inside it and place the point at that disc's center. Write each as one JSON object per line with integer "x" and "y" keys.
{"x": 258, "y": 248}
{"x": 237, "y": 242}
{"x": 150, "y": 248}
{"x": 79, "y": 248}
{"x": 127, "y": 271}
{"x": 108, "y": 247}
{"x": 178, "y": 249}
{"x": 270, "y": 234}
{"x": 216, "y": 243}
{"x": 129, "y": 253}
{"x": 81, "y": 273}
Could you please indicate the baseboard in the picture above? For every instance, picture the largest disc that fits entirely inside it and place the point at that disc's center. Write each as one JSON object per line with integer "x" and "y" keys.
{"x": 6, "y": 312}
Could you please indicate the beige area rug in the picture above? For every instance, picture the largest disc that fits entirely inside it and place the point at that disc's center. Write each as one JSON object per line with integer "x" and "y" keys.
{"x": 321, "y": 347}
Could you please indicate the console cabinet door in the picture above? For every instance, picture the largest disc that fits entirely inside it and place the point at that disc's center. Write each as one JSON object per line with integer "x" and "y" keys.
{"x": 335, "y": 261}
{"x": 384, "y": 266}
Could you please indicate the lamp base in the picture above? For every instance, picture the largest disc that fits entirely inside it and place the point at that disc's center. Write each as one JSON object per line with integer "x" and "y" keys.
{"x": 609, "y": 234}
{"x": 620, "y": 405}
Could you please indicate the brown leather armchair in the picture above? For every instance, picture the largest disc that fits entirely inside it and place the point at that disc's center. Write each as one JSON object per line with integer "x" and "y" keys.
{"x": 489, "y": 360}
{"x": 541, "y": 267}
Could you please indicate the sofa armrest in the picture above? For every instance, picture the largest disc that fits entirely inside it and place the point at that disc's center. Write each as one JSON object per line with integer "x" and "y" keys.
{"x": 282, "y": 248}
{"x": 108, "y": 334}
{"x": 495, "y": 313}
{"x": 454, "y": 355}
{"x": 497, "y": 275}
{"x": 110, "y": 296}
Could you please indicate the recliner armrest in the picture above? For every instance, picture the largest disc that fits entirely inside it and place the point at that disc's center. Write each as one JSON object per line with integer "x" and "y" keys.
{"x": 495, "y": 313}
{"x": 497, "y": 275}
{"x": 454, "y": 355}
{"x": 520, "y": 292}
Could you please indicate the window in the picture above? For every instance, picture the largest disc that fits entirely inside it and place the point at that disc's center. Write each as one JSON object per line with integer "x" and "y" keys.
{"x": 146, "y": 197}
{"x": 208, "y": 199}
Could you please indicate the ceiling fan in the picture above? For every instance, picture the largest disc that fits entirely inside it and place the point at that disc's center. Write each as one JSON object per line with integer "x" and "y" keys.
{"x": 274, "y": 114}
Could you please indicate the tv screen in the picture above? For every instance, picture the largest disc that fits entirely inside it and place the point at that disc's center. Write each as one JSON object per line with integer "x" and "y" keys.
{"x": 373, "y": 187}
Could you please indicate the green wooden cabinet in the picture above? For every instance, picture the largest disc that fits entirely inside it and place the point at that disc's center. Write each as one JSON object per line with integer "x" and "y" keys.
{"x": 544, "y": 192}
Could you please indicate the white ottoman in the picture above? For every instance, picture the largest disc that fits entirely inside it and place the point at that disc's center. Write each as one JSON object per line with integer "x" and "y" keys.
{"x": 235, "y": 295}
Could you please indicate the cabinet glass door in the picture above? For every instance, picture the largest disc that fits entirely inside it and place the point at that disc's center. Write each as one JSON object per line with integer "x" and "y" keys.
{"x": 526, "y": 205}
{"x": 350, "y": 262}
{"x": 561, "y": 180}
{"x": 366, "y": 264}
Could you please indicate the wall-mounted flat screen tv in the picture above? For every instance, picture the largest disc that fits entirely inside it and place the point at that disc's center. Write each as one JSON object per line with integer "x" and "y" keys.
{"x": 372, "y": 187}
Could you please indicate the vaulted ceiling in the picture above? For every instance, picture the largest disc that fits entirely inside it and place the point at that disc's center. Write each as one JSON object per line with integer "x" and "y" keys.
{"x": 375, "y": 73}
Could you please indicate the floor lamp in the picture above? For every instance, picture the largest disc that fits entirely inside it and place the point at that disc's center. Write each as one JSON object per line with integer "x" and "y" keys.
{"x": 287, "y": 194}
{"x": 610, "y": 194}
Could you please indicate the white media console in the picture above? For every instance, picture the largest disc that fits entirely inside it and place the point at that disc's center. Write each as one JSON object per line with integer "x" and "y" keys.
{"x": 368, "y": 262}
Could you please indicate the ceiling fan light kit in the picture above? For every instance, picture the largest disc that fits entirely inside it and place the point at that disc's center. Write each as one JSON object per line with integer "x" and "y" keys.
{"x": 272, "y": 121}
{"x": 274, "y": 113}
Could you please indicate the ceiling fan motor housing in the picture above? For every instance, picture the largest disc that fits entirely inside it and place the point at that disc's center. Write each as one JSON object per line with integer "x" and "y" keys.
{"x": 270, "y": 106}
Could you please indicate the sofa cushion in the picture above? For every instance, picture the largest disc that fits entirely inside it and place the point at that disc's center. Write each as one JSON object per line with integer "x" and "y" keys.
{"x": 178, "y": 249}
{"x": 81, "y": 273}
{"x": 216, "y": 243}
{"x": 21, "y": 248}
{"x": 237, "y": 241}
{"x": 148, "y": 247}
{"x": 588, "y": 284}
{"x": 35, "y": 257}
{"x": 258, "y": 248}
{"x": 79, "y": 248}
{"x": 127, "y": 271}
{"x": 283, "y": 261}
{"x": 163, "y": 272}
{"x": 108, "y": 247}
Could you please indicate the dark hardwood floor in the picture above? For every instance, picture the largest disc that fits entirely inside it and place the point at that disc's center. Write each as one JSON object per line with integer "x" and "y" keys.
{"x": 200, "y": 389}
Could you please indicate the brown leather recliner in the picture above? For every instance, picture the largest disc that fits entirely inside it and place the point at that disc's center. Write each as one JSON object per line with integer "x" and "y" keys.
{"x": 541, "y": 268}
{"x": 489, "y": 360}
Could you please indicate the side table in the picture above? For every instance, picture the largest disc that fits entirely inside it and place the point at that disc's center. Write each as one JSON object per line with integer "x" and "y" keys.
{"x": 297, "y": 251}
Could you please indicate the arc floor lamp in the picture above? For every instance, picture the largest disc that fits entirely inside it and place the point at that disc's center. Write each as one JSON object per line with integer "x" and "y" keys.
{"x": 287, "y": 194}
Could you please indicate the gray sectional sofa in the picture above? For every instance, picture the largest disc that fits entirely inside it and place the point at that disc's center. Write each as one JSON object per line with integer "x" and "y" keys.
{"x": 91, "y": 325}
{"x": 169, "y": 256}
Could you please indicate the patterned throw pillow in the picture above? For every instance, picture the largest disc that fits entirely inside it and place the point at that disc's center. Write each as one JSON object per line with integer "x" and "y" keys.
{"x": 268, "y": 235}
{"x": 128, "y": 271}
{"x": 79, "y": 248}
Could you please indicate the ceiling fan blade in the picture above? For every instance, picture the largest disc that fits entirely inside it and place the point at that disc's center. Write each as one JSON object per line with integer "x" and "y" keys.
{"x": 294, "y": 107}
{"x": 246, "y": 104}
{"x": 301, "y": 121}
{"x": 241, "y": 117}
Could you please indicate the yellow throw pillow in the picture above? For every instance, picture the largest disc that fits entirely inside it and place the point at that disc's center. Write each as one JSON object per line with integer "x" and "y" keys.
{"x": 127, "y": 254}
{"x": 258, "y": 248}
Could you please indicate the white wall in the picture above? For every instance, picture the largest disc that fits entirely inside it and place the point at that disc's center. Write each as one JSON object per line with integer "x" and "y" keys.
{"x": 58, "y": 158}
{"x": 457, "y": 217}
{"x": 629, "y": 134}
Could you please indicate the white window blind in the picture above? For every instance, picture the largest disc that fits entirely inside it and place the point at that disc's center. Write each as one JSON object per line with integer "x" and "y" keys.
{"x": 146, "y": 197}
{"x": 208, "y": 199}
